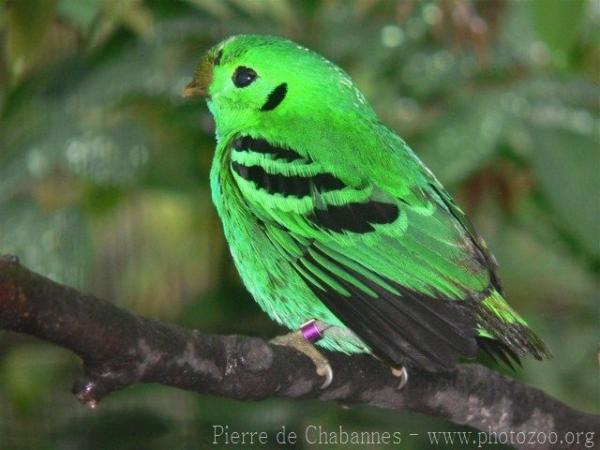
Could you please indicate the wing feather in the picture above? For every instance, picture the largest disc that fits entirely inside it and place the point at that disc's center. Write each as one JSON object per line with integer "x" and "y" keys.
{"x": 402, "y": 272}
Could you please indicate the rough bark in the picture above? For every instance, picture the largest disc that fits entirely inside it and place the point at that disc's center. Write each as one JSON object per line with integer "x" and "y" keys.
{"x": 119, "y": 348}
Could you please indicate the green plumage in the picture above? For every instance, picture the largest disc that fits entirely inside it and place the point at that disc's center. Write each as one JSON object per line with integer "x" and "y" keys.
{"x": 331, "y": 216}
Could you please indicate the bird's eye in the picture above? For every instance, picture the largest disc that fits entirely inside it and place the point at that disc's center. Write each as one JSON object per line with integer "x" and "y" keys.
{"x": 243, "y": 76}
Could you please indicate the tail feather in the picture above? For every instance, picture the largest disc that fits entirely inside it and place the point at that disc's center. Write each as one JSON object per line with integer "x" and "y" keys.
{"x": 499, "y": 322}
{"x": 498, "y": 351}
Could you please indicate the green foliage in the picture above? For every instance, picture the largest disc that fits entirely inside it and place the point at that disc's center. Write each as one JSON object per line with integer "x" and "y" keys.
{"x": 558, "y": 22}
{"x": 29, "y": 373}
{"x": 27, "y": 23}
{"x": 562, "y": 153}
{"x": 104, "y": 180}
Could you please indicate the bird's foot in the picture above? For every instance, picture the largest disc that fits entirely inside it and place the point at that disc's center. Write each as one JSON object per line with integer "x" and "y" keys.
{"x": 401, "y": 373}
{"x": 299, "y": 341}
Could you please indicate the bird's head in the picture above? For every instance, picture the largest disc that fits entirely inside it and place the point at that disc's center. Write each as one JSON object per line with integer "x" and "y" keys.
{"x": 255, "y": 80}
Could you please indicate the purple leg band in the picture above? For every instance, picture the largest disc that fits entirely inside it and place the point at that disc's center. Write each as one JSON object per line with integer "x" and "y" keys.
{"x": 310, "y": 331}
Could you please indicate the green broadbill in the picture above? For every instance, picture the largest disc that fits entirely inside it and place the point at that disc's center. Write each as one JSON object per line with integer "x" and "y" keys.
{"x": 331, "y": 217}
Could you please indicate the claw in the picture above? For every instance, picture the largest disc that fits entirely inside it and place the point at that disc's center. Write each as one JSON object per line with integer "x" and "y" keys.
{"x": 297, "y": 341}
{"x": 401, "y": 373}
{"x": 327, "y": 372}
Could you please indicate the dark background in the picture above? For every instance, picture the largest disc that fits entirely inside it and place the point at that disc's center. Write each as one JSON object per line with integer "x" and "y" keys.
{"x": 104, "y": 184}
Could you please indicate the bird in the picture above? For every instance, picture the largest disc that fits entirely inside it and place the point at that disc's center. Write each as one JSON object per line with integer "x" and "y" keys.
{"x": 337, "y": 229}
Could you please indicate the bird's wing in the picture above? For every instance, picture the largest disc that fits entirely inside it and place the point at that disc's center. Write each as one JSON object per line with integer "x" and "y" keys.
{"x": 399, "y": 271}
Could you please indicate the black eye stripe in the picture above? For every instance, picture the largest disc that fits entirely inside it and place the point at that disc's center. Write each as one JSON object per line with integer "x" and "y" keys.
{"x": 275, "y": 97}
{"x": 243, "y": 76}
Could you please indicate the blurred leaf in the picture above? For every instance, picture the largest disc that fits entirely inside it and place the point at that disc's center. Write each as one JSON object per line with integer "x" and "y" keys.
{"x": 282, "y": 11}
{"x": 55, "y": 243}
{"x": 251, "y": 7}
{"x": 130, "y": 429}
{"x": 572, "y": 375}
{"x": 463, "y": 140}
{"x": 102, "y": 200}
{"x": 133, "y": 13}
{"x": 29, "y": 373}
{"x": 528, "y": 248}
{"x": 558, "y": 22}
{"x": 566, "y": 164}
{"x": 218, "y": 8}
{"x": 170, "y": 238}
{"x": 80, "y": 12}
{"x": 27, "y": 24}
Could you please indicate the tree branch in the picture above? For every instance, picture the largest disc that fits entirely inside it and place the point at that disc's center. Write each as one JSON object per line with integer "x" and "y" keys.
{"x": 119, "y": 348}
